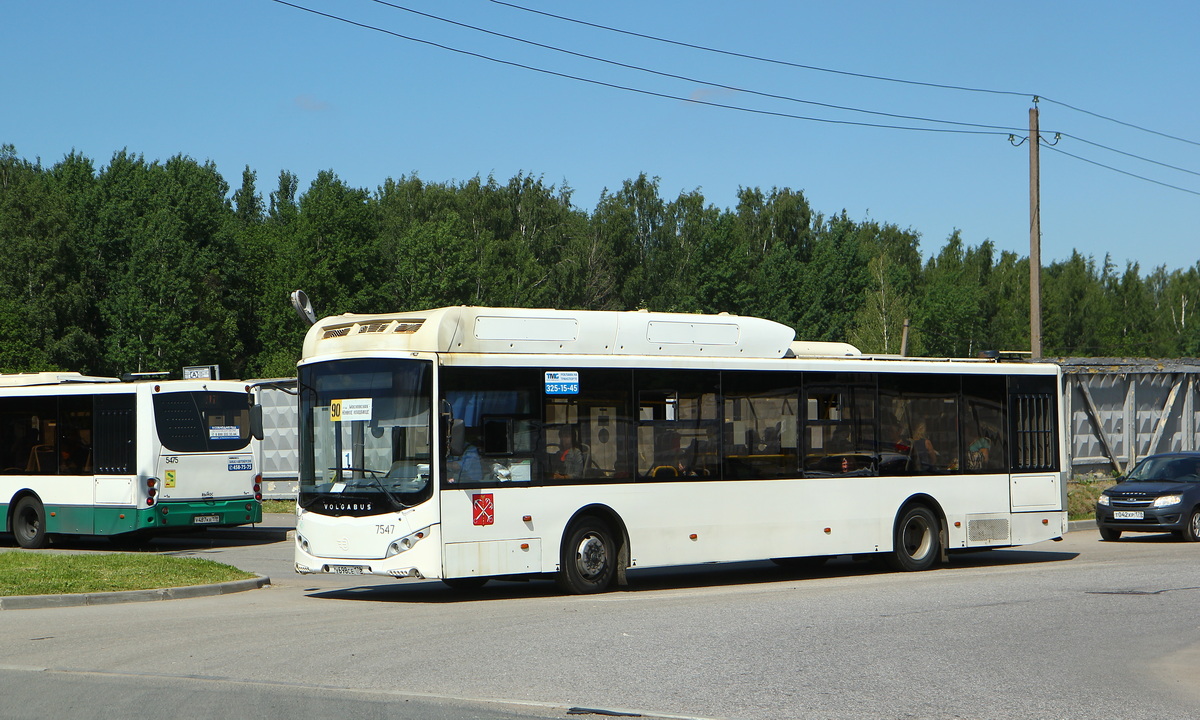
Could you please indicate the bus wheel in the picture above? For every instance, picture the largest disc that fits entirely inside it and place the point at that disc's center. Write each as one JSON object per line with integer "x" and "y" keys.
{"x": 917, "y": 540}
{"x": 588, "y": 558}
{"x": 29, "y": 523}
{"x": 465, "y": 584}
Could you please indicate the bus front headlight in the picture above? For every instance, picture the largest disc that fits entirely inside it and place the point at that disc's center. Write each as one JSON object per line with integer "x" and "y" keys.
{"x": 407, "y": 542}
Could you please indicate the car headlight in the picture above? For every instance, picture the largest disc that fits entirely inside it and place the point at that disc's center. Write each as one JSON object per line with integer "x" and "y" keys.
{"x": 1102, "y": 500}
{"x": 1167, "y": 500}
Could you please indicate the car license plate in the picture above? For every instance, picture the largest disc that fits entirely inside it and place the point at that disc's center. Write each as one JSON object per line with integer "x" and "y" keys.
{"x": 206, "y": 519}
{"x": 346, "y": 569}
{"x": 1128, "y": 515}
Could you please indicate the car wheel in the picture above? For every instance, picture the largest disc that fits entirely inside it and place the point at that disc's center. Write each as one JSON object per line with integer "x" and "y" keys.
{"x": 1191, "y": 532}
{"x": 1109, "y": 534}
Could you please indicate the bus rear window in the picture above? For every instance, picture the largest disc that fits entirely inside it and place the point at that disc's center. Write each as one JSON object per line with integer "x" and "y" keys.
{"x": 202, "y": 421}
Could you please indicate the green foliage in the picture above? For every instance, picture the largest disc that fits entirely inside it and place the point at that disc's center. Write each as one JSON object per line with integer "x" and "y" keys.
{"x": 146, "y": 265}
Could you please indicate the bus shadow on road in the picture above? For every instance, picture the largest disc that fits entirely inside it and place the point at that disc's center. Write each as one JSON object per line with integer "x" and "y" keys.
{"x": 687, "y": 577}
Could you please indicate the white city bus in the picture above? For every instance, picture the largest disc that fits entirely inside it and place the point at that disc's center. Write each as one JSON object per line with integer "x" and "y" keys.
{"x": 469, "y": 443}
{"x": 96, "y": 456}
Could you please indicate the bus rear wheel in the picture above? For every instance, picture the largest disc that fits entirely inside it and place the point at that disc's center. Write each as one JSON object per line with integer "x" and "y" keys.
{"x": 29, "y": 523}
{"x": 588, "y": 562}
{"x": 917, "y": 541}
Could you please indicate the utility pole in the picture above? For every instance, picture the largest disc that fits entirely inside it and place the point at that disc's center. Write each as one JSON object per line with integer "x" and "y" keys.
{"x": 1035, "y": 238}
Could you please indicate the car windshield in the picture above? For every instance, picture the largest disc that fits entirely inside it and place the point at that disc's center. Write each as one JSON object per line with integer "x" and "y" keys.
{"x": 1166, "y": 468}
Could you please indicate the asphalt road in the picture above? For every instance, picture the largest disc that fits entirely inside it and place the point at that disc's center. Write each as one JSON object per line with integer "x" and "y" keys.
{"x": 1079, "y": 629}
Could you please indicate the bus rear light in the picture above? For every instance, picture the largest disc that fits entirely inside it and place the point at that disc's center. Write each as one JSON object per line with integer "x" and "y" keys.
{"x": 151, "y": 482}
{"x": 152, "y": 492}
{"x": 828, "y": 531}
{"x": 150, "y": 502}
{"x": 693, "y": 536}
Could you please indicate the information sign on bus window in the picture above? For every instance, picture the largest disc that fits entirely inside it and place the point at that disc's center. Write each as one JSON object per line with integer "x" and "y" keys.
{"x": 562, "y": 382}
{"x": 350, "y": 410}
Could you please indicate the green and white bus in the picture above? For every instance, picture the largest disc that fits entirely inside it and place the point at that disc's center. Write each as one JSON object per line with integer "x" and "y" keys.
{"x": 470, "y": 443}
{"x": 96, "y": 456}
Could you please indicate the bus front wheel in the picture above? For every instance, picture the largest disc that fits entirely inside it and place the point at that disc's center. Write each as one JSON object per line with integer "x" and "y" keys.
{"x": 588, "y": 558}
{"x": 917, "y": 540}
{"x": 29, "y": 523}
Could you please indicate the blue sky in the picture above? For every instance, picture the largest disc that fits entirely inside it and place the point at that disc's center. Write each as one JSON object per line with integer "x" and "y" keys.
{"x": 254, "y": 82}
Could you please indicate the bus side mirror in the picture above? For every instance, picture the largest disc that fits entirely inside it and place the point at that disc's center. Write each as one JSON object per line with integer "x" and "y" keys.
{"x": 256, "y": 422}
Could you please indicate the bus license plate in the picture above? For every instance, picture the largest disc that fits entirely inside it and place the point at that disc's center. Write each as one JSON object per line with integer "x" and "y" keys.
{"x": 346, "y": 569}
{"x": 1128, "y": 515}
{"x": 206, "y": 519}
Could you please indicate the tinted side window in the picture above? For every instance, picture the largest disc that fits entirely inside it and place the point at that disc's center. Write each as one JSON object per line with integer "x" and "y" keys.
{"x": 114, "y": 435}
{"x": 985, "y": 430}
{"x": 28, "y": 435}
{"x": 762, "y": 424}
{"x": 678, "y": 425}
{"x": 501, "y": 424}
{"x": 1033, "y": 409}
{"x": 920, "y": 413}
{"x": 841, "y": 435}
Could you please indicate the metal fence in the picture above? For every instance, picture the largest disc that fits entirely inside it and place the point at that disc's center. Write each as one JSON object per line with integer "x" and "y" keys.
{"x": 1121, "y": 410}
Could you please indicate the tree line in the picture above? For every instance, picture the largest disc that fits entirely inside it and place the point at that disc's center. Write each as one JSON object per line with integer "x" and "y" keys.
{"x": 146, "y": 265}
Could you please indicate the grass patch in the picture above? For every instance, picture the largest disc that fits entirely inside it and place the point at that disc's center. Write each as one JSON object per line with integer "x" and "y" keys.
{"x": 33, "y": 573}
{"x": 279, "y": 506}
{"x": 1082, "y": 492}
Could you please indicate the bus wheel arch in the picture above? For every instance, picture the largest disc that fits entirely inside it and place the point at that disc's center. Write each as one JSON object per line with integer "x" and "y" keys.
{"x": 593, "y": 552}
{"x": 27, "y": 521}
{"x": 918, "y": 535}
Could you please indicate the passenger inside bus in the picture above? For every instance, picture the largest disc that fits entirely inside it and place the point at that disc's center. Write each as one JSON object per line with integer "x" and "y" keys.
{"x": 569, "y": 460}
{"x": 466, "y": 468}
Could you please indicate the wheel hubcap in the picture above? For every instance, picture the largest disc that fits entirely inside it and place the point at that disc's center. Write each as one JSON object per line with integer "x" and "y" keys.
{"x": 917, "y": 539}
{"x": 1196, "y": 525}
{"x": 591, "y": 557}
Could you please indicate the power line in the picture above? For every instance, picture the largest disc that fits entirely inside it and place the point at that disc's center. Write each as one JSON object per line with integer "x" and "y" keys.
{"x": 755, "y": 92}
{"x": 999, "y": 130}
{"x": 640, "y": 91}
{"x": 659, "y": 73}
{"x": 758, "y": 58}
{"x": 834, "y": 71}
{"x": 1123, "y": 172}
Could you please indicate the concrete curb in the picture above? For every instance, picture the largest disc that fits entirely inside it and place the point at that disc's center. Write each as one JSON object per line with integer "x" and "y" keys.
{"x": 1078, "y": 525}
{"x": 29, "y": 602}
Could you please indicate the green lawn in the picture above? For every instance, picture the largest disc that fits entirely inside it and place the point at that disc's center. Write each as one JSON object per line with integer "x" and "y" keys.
{"x": 34, "y": 573}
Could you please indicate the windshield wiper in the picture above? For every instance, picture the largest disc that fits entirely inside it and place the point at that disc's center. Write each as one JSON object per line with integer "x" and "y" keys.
{"x": 374, "y": 478}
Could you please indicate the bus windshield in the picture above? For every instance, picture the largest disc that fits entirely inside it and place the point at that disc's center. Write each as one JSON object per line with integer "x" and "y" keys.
{"x": 365, "y": 432}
